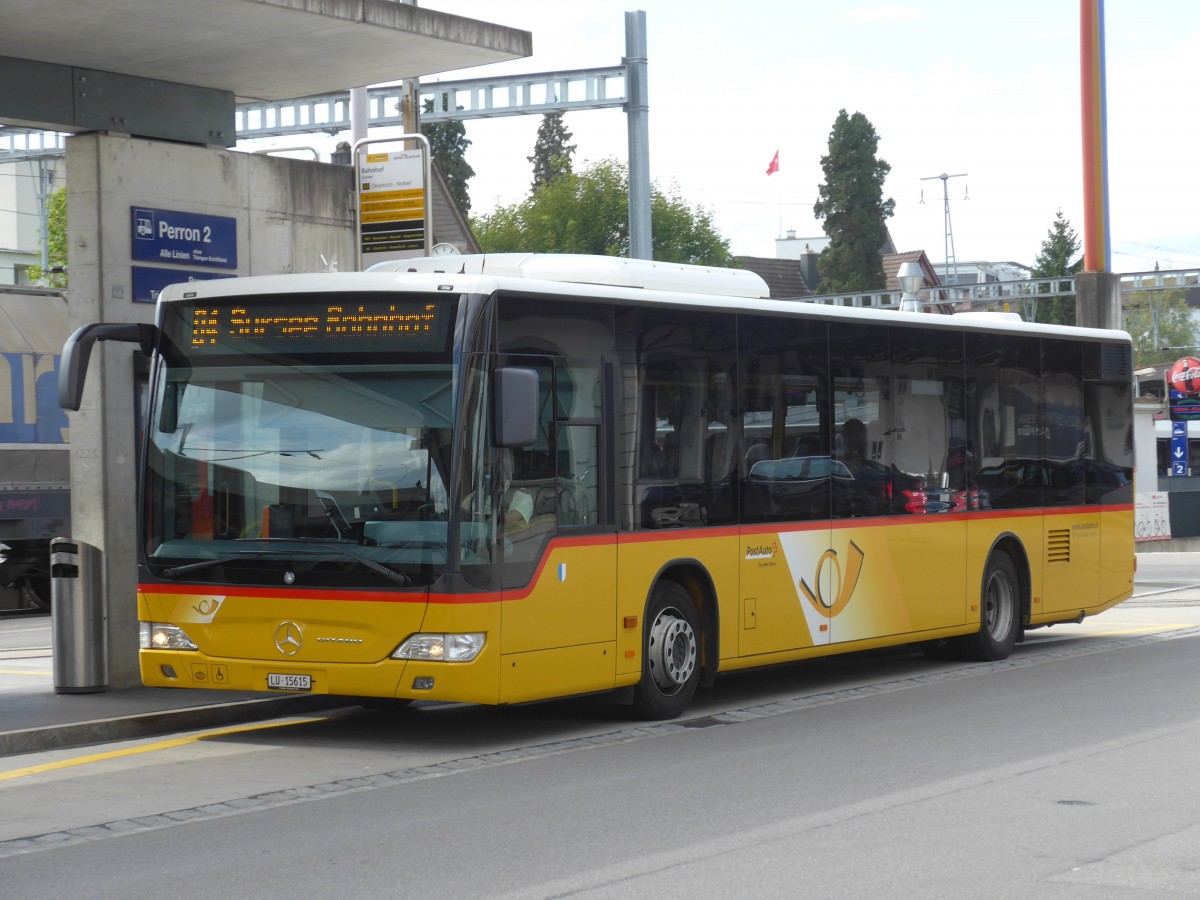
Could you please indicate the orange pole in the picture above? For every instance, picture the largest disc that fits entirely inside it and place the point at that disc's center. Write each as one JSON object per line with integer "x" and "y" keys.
{"x": 1096, "y": 249}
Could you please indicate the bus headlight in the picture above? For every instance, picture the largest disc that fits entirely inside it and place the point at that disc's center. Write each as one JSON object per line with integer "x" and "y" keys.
{"x": 440, "y": 647}
{"x": 162, "y": 636}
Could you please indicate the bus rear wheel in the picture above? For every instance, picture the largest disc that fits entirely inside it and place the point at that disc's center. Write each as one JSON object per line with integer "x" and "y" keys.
{"x": 999, "y": 611}
{"x": 670, "y": 655}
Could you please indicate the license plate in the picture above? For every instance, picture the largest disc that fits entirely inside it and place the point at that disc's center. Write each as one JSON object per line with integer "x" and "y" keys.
{"x": 282, "y": 682}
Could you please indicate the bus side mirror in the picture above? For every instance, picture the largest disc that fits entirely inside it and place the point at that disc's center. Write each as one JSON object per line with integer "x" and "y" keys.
{"x": 516, "y": 413}
{"x": 72, "y": 368}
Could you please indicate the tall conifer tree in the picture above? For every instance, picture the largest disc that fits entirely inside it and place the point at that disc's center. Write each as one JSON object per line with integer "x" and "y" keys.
{"x": 850, "y": 203}
{"x": 448, "y": 142}
{"x": 551, "y": 153}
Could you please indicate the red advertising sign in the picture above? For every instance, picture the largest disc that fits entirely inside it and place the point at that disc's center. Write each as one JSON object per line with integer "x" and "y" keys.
{"x": 1184, "y": 376}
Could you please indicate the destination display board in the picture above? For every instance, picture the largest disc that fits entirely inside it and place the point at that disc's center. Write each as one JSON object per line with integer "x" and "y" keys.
{"x": 324, "y": 324}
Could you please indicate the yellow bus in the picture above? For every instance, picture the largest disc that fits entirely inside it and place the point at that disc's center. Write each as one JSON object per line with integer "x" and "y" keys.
{"x": 505, "y": 478}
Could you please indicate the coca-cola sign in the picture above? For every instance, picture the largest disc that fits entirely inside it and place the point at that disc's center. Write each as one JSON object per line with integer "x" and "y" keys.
{"x": 1184, "y": 376}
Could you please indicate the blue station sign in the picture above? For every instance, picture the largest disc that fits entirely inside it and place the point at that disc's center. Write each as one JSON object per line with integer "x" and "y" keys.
{"x": 183, "y": 238}
{"x": 1179, "y": 448}
{"x": 148, "y": 283}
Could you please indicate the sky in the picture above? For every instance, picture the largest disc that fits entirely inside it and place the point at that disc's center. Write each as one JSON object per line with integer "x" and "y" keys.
{"x": 986, "y": 88}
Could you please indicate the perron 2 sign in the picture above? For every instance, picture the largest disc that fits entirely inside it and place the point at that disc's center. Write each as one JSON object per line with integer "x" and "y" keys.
{"x": 183, "y": 238}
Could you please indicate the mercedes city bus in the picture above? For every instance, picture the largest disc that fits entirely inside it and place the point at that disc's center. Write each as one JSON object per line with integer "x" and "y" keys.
{"x": 505, "y": 478}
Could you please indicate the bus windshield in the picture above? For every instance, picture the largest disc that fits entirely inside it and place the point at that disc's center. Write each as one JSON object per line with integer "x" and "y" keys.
{"x": 325, "y": 475}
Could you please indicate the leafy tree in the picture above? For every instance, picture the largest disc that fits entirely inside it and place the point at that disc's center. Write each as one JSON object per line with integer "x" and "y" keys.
{"x": 551, "y": 152}
{"x": 1158, "y": 319}
{"x": 448, "y": 143}
{"x": 56, "y": 242}
{"x": 588, "y": 212}
{"x": 1055, "y": 259}
{"x": 850, "y": 203}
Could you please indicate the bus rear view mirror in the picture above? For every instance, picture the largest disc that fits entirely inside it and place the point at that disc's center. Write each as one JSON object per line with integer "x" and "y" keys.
{"x": 72, "y": 368}
{"x": 516, "y": 413}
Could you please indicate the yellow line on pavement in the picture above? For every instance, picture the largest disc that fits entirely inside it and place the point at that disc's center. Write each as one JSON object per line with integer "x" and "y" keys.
{"x": 144, "y": 748}
{"x": 1141, "y": 629}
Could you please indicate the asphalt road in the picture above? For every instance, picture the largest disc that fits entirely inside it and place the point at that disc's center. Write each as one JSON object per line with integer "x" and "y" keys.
{"x": 1066, "y": 771}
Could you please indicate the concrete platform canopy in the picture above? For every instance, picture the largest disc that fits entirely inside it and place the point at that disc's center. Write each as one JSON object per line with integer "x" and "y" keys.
{"x": 126, "y": 65}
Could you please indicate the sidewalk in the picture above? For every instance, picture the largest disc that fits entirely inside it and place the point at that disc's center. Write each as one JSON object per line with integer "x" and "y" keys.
{"x": 34, "y": 718}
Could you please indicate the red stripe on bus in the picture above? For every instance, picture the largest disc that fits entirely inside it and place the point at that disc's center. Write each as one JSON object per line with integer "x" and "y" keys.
{"x": 599, "y": 540}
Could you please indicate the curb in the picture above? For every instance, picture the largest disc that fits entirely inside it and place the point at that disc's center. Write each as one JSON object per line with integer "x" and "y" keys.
{"x": 138, "y": 725}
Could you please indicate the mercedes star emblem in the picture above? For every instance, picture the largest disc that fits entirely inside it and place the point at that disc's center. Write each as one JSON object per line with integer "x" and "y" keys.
{"x": 288, "y": 638}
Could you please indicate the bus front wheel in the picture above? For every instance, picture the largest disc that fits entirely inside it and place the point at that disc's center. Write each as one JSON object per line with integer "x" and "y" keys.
{"x": 670, "y": 655}
{"x": 999, "y": 611}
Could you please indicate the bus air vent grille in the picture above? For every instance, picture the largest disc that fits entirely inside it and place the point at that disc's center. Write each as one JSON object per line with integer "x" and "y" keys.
{"x": 1058, "y": 545}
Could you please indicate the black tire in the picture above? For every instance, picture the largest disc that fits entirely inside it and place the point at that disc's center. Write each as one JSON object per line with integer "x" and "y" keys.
{"x": 670, "y": 655}
{"x": 999, "y": 612}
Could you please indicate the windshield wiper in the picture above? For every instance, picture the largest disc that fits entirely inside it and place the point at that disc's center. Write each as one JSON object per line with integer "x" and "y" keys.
{"x": 338, "y": 547}
{"x": 395, "y": 577}
{"x": 175, "y": 571}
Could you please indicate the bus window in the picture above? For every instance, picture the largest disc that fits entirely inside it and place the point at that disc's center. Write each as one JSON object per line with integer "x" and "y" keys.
{"x": 528, "y": 497}
{"x": 1107, "y": 401}
{"x": 579, "y": 411}
{"x": 1003, "y": 415}
{"x": 577, "y": 490}
{"x": 683, "y": 414}
{"x": 1066, "y": 444}
{"x": 862, "y": 419}
{"x": 787, "y": 471}
{"x": 929, "y": 442}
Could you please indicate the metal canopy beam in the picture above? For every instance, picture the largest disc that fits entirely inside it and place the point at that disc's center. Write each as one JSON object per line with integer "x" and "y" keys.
{"x": 471, "y": 98}
{"x": 74, "y": 99}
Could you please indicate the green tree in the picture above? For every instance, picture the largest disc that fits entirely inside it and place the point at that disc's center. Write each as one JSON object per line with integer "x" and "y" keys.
{"x": 1059, "y": 256}
{"x": 588, "y": 212}
{"x": 551, "y": 152}
{"x": 56, "y": 242}
{"x": 850, "y": 203}
{"x": 448, "y": 142}
{"x": 1157, "y": 319}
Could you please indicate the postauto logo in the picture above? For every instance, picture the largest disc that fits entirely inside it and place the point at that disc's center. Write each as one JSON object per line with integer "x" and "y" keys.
{"x": 762, "y": 551}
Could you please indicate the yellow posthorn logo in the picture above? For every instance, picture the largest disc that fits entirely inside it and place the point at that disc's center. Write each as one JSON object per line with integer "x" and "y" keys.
{"x": 845, "y": 588}
{"x": 207, "y": 607}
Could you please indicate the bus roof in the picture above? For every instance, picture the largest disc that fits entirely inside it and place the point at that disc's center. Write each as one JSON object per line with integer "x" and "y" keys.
{"x": 602, "y": 278}
{"x": 578, "y": 268}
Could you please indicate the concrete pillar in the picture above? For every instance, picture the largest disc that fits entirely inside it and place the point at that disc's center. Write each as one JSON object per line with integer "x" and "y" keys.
{"x": 1098, "y": 299}
{"x": 289, "y": 215}
{"x": 103, "y": 432}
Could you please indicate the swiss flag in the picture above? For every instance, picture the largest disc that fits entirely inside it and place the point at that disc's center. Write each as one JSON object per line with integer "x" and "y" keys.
{"x": 774, "y": 166}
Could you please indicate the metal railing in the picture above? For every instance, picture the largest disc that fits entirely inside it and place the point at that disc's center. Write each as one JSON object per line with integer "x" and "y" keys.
{"x": 989, "y": 296}
{"x": 1021, "y": 295}
{"x": 26, "y": 143}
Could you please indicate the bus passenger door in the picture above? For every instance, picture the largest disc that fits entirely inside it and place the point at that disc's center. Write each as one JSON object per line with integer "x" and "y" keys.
{"x": 901, "y": 495}
{"x": 558, "y": 551}
{"x": 786, "y": 483}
